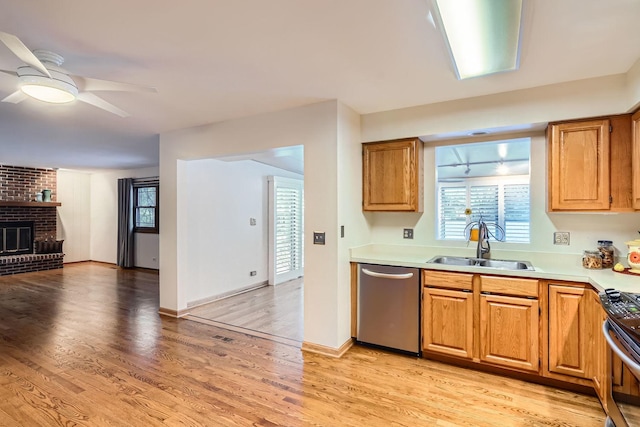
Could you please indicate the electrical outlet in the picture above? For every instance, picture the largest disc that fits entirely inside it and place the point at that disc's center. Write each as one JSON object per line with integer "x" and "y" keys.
{"x": 408, "y": 233}
{"x": 561, "y": 238}
{"x": 252, "y": 221}
{"x": 252, "y": 273}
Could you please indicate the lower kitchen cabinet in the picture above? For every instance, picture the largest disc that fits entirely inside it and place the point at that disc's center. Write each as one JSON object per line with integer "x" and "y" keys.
{"x": 509, "y": 331}
{"x": 448, "y": 322}
{"x": 569, "y": 331}
{"x": 487, "y": 319}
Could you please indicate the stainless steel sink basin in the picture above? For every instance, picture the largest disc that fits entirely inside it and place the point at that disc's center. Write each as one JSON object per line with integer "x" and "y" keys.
{"x": 453, "y": 260}
{"x": 500, "y": 264}
{"x": 505, "y": 264}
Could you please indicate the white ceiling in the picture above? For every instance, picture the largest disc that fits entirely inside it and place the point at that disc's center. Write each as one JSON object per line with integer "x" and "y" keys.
{"x": 214, "y": 60}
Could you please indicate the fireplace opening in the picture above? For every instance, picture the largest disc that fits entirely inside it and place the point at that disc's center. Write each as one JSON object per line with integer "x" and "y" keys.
{"x": 16, "y": 238}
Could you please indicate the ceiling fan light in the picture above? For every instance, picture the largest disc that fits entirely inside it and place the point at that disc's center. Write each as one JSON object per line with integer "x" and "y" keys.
{"x": 59, "y": 89}
{"x": 49, "y": 94}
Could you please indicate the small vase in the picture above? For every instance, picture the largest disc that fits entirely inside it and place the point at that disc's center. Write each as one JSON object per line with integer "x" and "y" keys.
{"x": 46, "y": 195}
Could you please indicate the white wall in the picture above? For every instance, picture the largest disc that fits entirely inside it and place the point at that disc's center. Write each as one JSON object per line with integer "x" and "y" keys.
{"x": 583, "y": 98}
{"x": 223, "y": 247}
{"x": 315, "y": 127}
{"x": 633, "y": 85}
{"x": 349, "y": 208}
{"x": 74, "y": 227}
{"x": 104, "y": 219}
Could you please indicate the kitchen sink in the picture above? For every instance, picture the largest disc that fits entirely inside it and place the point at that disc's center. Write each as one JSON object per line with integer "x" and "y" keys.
{"x": 501, "y": 264}
{"x": 453, "y": 260}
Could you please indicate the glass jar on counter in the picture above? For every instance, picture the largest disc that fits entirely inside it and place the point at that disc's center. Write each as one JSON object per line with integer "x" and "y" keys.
{"x": 606, "y": 252}
{"x": 591, "y": 259}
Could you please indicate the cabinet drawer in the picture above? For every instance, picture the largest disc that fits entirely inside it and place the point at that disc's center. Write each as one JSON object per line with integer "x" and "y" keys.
{"x": 509, "y": 286}
{"x": 442, "y": 279}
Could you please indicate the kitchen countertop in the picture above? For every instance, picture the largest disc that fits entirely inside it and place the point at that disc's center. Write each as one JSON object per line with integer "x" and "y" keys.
{"x": 550, "y": 266}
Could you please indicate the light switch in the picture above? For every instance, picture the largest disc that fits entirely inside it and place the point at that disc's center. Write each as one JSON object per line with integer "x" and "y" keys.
{"x": 318, "y": 238}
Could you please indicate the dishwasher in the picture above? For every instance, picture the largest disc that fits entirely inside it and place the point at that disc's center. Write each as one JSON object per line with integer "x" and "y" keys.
{"x": 389, "y": 307}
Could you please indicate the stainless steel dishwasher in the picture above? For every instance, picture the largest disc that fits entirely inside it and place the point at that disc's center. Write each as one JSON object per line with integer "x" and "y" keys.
{"x": 389, "y": 307}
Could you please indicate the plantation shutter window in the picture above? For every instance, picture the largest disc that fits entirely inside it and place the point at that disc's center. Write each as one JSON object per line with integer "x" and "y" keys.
{"x": 287, "y": 235}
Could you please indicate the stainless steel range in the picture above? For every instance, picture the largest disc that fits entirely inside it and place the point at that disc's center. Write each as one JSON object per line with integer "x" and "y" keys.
{"x": 622, "y": 332}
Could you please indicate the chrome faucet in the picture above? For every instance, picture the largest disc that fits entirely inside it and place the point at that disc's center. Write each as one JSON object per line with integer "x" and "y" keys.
{"x": 483, "y": 240}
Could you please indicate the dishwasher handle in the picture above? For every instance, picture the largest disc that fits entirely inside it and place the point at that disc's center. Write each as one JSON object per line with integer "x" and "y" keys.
{"x": 400, "y": 276}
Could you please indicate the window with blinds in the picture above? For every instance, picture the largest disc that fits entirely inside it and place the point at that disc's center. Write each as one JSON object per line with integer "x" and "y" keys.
{"x": 505, "y": 204}
{"x": 287, "y": 236}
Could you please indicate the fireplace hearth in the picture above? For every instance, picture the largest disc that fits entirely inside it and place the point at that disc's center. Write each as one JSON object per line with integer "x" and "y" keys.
{"x": 16, "y": 238}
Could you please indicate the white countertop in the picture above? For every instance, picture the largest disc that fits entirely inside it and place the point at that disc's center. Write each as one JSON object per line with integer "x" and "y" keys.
{"x": 547, "y": 266}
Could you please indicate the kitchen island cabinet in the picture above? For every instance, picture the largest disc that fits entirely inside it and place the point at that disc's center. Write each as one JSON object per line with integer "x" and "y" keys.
{"x": 392, "y": 175}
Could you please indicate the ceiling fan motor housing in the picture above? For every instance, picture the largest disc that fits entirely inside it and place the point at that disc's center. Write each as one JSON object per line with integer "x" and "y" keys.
{"x": 30, "y": 76}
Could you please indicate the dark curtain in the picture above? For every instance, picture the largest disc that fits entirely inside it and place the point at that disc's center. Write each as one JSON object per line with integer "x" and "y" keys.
{"x": 126, "y": 248}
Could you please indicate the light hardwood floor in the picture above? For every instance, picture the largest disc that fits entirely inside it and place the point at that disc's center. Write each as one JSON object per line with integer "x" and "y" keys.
{"x": 85, "y": 346}
{"x": 275, "y": 311}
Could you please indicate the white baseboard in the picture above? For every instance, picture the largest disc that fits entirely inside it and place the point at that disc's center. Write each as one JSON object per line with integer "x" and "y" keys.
{"x": 203, "y": 301}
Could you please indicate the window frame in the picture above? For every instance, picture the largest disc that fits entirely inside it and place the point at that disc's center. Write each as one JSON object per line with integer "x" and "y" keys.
{"x": 156, "y": 228}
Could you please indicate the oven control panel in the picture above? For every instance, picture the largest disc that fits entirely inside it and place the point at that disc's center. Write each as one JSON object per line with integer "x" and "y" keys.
{"x": 624, "y": 309}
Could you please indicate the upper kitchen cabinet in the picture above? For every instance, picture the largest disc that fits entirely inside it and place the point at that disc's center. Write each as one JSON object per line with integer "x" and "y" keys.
{"x": 392, "y": 175}
{"x": 590, "y": 165}
{"x": 635, "y": 122}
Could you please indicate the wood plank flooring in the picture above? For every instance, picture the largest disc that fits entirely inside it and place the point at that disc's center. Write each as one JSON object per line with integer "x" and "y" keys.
{"x": 84, "y": 346}
{"x": 275, "y": 311}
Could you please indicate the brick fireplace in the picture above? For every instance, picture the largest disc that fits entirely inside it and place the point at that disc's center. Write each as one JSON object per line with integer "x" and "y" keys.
{"x": 18, "y": 188}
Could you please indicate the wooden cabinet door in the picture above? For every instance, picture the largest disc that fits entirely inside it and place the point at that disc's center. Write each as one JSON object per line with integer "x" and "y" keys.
{"x": 598, "y": 352}
{"x": 448, "y": 322}
{"x": 391, "y": 175}
{"x": 635, "y": 155}
{"x": 509, "y": 332}
{"x": 569, "y": 331}
{"x": 579, "y": 166}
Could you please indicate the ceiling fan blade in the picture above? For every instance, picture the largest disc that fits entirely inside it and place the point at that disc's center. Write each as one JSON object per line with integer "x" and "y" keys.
{"x": 96, "y": 101}
{"x": 21, "y": 51}
{"x": 90, "y": 84}
{"x": 11, "y": 73}
{"x": 15, "y": 97}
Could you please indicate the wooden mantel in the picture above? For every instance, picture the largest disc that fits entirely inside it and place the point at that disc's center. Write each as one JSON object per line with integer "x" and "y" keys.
{"x": 4, "y": 203}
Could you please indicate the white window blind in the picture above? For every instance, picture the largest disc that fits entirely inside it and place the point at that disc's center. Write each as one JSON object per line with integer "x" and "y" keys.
{"x": 505, "y": 204}
{"x": 287, "y": 235}
{"x": 516, "y": 213}
{"x": 452, "y": 202}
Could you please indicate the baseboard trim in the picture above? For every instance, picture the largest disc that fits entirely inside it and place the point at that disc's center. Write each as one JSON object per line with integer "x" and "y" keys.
{"x": 224, "y": 295}
{"x": 172, "y": 313}
{"x": 327, "y": 351}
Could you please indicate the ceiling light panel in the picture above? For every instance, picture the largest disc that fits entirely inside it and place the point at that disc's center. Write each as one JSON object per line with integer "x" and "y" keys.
{"x": 483, "y": 36}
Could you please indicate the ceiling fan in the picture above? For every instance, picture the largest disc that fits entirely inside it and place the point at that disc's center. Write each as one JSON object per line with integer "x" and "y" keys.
{"x": 42, "y": 78}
